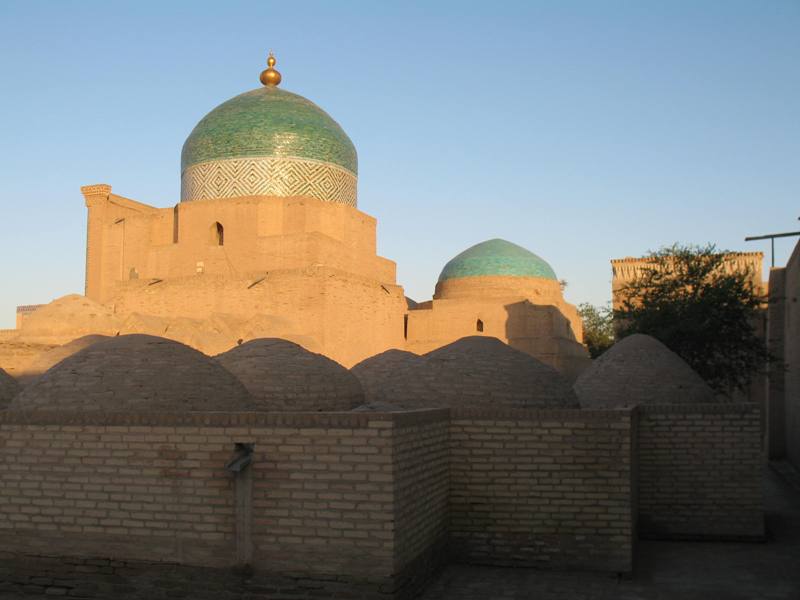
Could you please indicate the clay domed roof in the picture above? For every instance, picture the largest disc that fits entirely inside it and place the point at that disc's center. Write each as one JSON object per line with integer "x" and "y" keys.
{"x": 69, "y": 316}
{"x": 49, "y": 358}
{"x": 497, "y": 257}
{"x": 136, "y": 373}
{"x": 482, "y": 371}
{"x": 284, "y": 376}
{"x": 640, "y": 369}
{"x": 297, "y": 140}
{"x": 375, "y": 371}
{"x": 8, "y": 388}
{"x": 477, "y": 372}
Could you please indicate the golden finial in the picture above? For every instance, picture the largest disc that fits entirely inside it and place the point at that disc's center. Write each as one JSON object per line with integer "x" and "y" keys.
{"x": 269, "y": 76}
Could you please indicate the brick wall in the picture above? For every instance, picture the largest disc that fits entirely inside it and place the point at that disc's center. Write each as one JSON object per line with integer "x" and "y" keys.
{"x": 323, "y": 495}
{"x": 700, "y": 471}
{"x": 791, "y": 355}
{"x": 372, "y": 499}
{"x": 421, "y": 479}
{"x": 548, "y": 488}
{"x": 152, "y": 487}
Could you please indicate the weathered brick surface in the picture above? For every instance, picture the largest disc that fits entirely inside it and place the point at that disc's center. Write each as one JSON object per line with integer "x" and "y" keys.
{"x": 549, "y": 488}
{"x": 421, "y": 479}
{"x": 700, "y": 471}
{"x": 371, "y": 502}
{"x": 152, "y": 487}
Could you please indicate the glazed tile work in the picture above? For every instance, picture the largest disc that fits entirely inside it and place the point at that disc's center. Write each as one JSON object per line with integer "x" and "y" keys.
{"x": 269, "y": 122}
{"x": 497, "y": 257}
{"x": 236, "y": 177}
{"x": 269, "y": 142}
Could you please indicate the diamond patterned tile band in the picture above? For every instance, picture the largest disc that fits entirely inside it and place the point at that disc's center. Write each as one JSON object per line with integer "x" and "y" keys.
{"x": 258, "y": 176}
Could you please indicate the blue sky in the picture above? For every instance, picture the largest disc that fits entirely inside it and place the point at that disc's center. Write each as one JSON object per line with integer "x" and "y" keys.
{"x": 584, "y": 131}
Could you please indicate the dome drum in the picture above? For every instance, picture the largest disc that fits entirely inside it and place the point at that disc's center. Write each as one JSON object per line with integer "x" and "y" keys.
{"x": 266, "y": 176}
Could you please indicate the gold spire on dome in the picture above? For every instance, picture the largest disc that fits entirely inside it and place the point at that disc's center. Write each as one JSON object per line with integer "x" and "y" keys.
{"x": 269, "y": 76}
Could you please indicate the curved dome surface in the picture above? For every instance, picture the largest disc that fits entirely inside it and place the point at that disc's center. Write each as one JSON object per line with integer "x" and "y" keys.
{"x": 497, "y": 257}
{"x": 49, "y": 358}
{"x": 376, "y": 372}
{"x": 269, "y": 142}
{"x": 8, "y": 388}
{"x": 68, "y": 317}
{"x": 284, "y": 376}
{"x": 477, "y": 372}
{"x": 639, "y": 369}
{"x": 136, "y": 373}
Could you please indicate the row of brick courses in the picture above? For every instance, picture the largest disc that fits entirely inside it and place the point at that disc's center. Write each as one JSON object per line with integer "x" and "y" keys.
{"x": 372, "y": 497}
{"x": 546, "y": 488}
{"x": 102, "y": 578}
{"x": 152, "y": 487}
{"x": 323, "y": 500}
{"x": 421, "y": 480}
{"x": 700, "y": 470}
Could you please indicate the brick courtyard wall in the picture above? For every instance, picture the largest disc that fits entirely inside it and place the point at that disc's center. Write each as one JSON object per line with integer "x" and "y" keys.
{"x": 791, "y": 356}
{"x": 421, "y": 479}
{"x": 152, "y": 487}
{"x": 147, "y": 487}
{"x": 700, "y": 470}
{"x": 548, "y": 488}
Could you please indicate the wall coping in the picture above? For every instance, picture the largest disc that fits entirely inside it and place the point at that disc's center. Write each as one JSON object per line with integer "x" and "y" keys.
{"x": 716, "y": 408}
{"x": 337, "y": 420}
{"x": 538, "y": 414}
{"x": 355, "y": 420}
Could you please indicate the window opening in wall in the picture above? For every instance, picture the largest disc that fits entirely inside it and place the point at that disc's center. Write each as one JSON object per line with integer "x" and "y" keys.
{"x": 479, "y": 325}
{"x": 217, "y": 234}
{"x": 405, "y": 327}
{"x": 133, "y": 273}
{"x": 175, "y": 224}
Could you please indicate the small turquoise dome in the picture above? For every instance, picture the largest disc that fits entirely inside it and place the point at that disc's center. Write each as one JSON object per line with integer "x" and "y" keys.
{"x": 497, "y": 257}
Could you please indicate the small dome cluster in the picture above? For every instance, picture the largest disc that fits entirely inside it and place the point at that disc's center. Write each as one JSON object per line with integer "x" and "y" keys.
{"x": 474, "y": 372}
{"x": 640, "y": 370}
{"x": 136, "y": 372}
{"x": 283, "y": 376}
{"x": 147, "y": 373}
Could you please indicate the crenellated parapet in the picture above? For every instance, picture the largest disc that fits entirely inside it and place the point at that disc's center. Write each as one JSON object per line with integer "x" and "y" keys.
{"x": 628, "y": 269}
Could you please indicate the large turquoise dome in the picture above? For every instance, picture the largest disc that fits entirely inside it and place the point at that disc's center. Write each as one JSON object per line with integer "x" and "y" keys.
{"x": 269, "y": 142}
{"x": 497, "y": 257}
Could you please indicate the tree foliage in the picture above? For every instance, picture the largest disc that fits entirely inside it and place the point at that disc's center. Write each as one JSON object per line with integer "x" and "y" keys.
{"x": 598, "y": 328}
{"x": 691, "y": 299}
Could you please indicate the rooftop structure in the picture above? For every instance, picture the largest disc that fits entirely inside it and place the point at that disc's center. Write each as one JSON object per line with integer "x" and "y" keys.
{"x": 473, "y": 372}
{"x": 267, "y": 242}
{"x": 283, "y": 376}
{"x": 136, "y": 373}
{"x": 639, "y": 369}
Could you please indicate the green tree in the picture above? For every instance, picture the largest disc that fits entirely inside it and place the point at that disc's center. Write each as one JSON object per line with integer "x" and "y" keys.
{"x": 598, "y": 328}
{"x": 690, "y": 299}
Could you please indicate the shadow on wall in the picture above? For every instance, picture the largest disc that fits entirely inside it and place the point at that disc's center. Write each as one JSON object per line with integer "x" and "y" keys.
{"x": 546, "y": 333}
